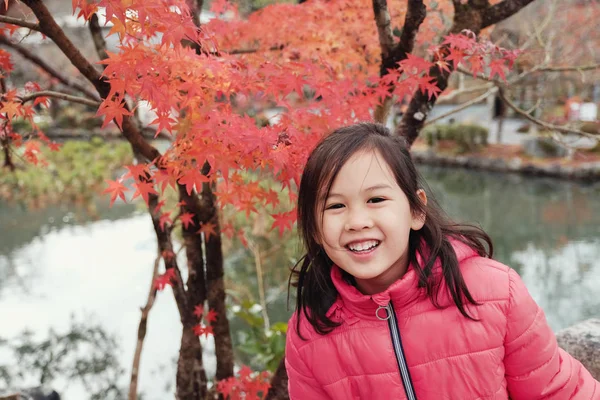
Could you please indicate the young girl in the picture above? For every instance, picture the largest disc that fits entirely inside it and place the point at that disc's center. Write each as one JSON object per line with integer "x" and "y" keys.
{"x": 396, "y": 302}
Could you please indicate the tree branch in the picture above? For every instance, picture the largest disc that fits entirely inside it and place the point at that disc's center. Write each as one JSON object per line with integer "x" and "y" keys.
{"x": 462, "y": 106}
{"x": 544, "y": 124}
{"x": 454, "y": 94}
{"x": 97, "y": 37}
{"x": 474, "y": 16}
{"x": 19, "y": 22}
{"x": 391, "y": 55}
{"x": 142, "y": 332}
{"x": 62, "y": 96}
{"x": 34, "y": 58}
{"x": 50, "y": 28}
{"x": 384, "y": 27}
{"x": 577, "y": 68}
{"x": 501, "y": 11}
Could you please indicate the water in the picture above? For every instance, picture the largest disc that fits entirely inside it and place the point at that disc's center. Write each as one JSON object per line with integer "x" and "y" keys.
{"x": 55, "y": 264}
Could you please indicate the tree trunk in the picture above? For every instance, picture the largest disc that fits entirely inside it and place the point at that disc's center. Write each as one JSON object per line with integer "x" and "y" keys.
{"x": 279, "y": 382}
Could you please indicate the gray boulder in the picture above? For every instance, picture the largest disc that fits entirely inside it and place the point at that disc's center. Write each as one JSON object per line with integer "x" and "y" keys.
{"x": 582, "y": 341}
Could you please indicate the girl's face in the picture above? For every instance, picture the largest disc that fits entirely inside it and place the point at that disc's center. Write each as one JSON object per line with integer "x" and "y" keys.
{"x": 365, "y": 222}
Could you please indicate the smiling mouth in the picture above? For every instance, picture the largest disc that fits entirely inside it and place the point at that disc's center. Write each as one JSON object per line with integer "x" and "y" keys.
{"x": 363, "y": 247}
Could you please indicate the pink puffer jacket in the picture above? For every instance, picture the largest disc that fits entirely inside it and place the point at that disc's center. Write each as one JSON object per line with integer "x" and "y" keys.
{"x": 511, "y": 351}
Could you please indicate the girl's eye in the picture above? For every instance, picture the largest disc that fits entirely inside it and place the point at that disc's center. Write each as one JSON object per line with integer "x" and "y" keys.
{"x": 334, "y": 206}
{"x": 376, "y": 200}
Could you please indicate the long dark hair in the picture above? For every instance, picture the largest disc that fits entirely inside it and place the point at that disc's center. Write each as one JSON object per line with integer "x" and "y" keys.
{"x": 311, "y": 275}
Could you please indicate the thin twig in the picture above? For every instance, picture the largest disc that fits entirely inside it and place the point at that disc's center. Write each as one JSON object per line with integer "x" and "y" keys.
{"x": 255, "y": 248}
{"x": 37, "y": 60}
{"x": 450, "y": 96}
{"x": 20, "y": 22}
{"x": 544, "y": 124}
{"x": 463, "y": 106}
{"x": 60, "y": 95}
{"x": 142, "y": 332}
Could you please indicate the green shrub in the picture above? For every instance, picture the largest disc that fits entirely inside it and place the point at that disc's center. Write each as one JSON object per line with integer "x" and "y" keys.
{"x": 468, "y": 137}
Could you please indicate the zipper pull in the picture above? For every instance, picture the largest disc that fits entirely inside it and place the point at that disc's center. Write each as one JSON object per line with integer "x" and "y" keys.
{"x": 384, "y": 316}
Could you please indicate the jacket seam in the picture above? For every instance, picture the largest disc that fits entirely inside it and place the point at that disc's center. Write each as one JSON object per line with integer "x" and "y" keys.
{"x": 455, "y": 356}
{"x": 529, "y": 328}
{"x": 359, "y": 375}
{"x": 533, "y": 371}
{"x": 332, "y": 334}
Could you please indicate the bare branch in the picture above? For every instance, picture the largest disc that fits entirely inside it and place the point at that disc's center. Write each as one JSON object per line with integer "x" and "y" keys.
{"x": 62, "y": 96}
{"x": 249, "y": 51}
{"x": 462, "y": 106}
{"x": 544, "y": 124}
{"x": 34, "y": 58}
{"x": 50, "y": 28}
{"x": 142, "y": 331}
{"x": 97, "y": 37}
{"x": 19, "y": 22}
{"x": 454, "y": 94}
{"x": 501, "y": 11}
{"x": 577, "y": 68}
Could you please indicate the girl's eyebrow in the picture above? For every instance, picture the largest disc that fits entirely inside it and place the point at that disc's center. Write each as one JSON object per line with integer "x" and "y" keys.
{"x": 369, "y": 189}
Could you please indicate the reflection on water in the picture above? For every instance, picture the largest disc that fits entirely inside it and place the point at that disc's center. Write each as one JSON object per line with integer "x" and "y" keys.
{"x": 54, "y": 263}
{"x": 548, "y": 230}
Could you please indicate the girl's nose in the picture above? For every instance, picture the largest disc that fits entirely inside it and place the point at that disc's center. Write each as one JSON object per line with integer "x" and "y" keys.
{"x": 357, "y": 221}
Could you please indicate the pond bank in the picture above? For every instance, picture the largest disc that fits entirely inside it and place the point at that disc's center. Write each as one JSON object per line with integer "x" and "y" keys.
{"x": 584, "y": 167}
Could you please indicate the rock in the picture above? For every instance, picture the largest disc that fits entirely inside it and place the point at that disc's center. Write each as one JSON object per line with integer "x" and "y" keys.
{"x": 544, "y": 147}
{"x": 582, "y": 341}
{"x": 31, "y": 394}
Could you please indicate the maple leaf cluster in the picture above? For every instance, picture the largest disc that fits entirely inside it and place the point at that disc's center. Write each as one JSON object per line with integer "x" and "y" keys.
{"x": 12, "y": 108}
{"x": 324, "y": 73}
{"x": 204, "y": 329}
{"x": 247, "y": 385}
{"x": 168, "y": 278}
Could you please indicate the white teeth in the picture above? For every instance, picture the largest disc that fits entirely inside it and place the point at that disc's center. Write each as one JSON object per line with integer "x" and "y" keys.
{"x": 363, "y": 246}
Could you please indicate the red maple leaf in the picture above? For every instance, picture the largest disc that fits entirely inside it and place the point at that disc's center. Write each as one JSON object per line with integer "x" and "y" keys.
{"x": 211, "y": 316}
{"x": 164, "y": 220}
{"x": 283, "y": 221}
{"x": 136, "y": 171}
{"x": 456, "y": 56}
{"x": 159, "y": 205}
{"x": 497, "y": 68}
{"x": 427, "y": 86}
{"x": 193, "y": 178}
{"x": 143, "y": 189}
{"x": 165, "y": 122}
{"x": 199, "y": 311}
{"x": 414, "y": 64}
{"x": 459, "y": 41}
{"x": 208, "y": 330}
{"x": 115, "y": 189}
{"x": 208, "y": 229}
{"x": 187, "y": 219}
{"x": 198, "y": 330}
{"x": 112, "y": 111}
{"x": 165, "y": 279}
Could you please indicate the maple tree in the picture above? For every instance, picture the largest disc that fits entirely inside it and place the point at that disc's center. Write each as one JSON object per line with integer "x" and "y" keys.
{"x": 321, "y": 63}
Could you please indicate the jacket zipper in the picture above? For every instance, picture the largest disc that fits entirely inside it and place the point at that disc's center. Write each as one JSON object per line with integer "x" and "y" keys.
{"x": 397, "y": 344}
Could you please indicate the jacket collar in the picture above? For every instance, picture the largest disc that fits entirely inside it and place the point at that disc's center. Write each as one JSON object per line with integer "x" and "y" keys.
{"x": 403, "y": 293}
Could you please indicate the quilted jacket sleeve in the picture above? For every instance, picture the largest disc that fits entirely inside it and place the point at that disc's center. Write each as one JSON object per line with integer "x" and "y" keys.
{"x": 535, "y": 367}
{"x": 301, "y": 383}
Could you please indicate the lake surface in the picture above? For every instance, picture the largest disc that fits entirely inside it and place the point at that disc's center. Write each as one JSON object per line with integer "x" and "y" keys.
{"x": 57, "y": 264}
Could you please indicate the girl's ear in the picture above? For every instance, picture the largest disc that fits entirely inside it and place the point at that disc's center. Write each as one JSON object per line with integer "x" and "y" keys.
{"x": 419, "y": 220}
